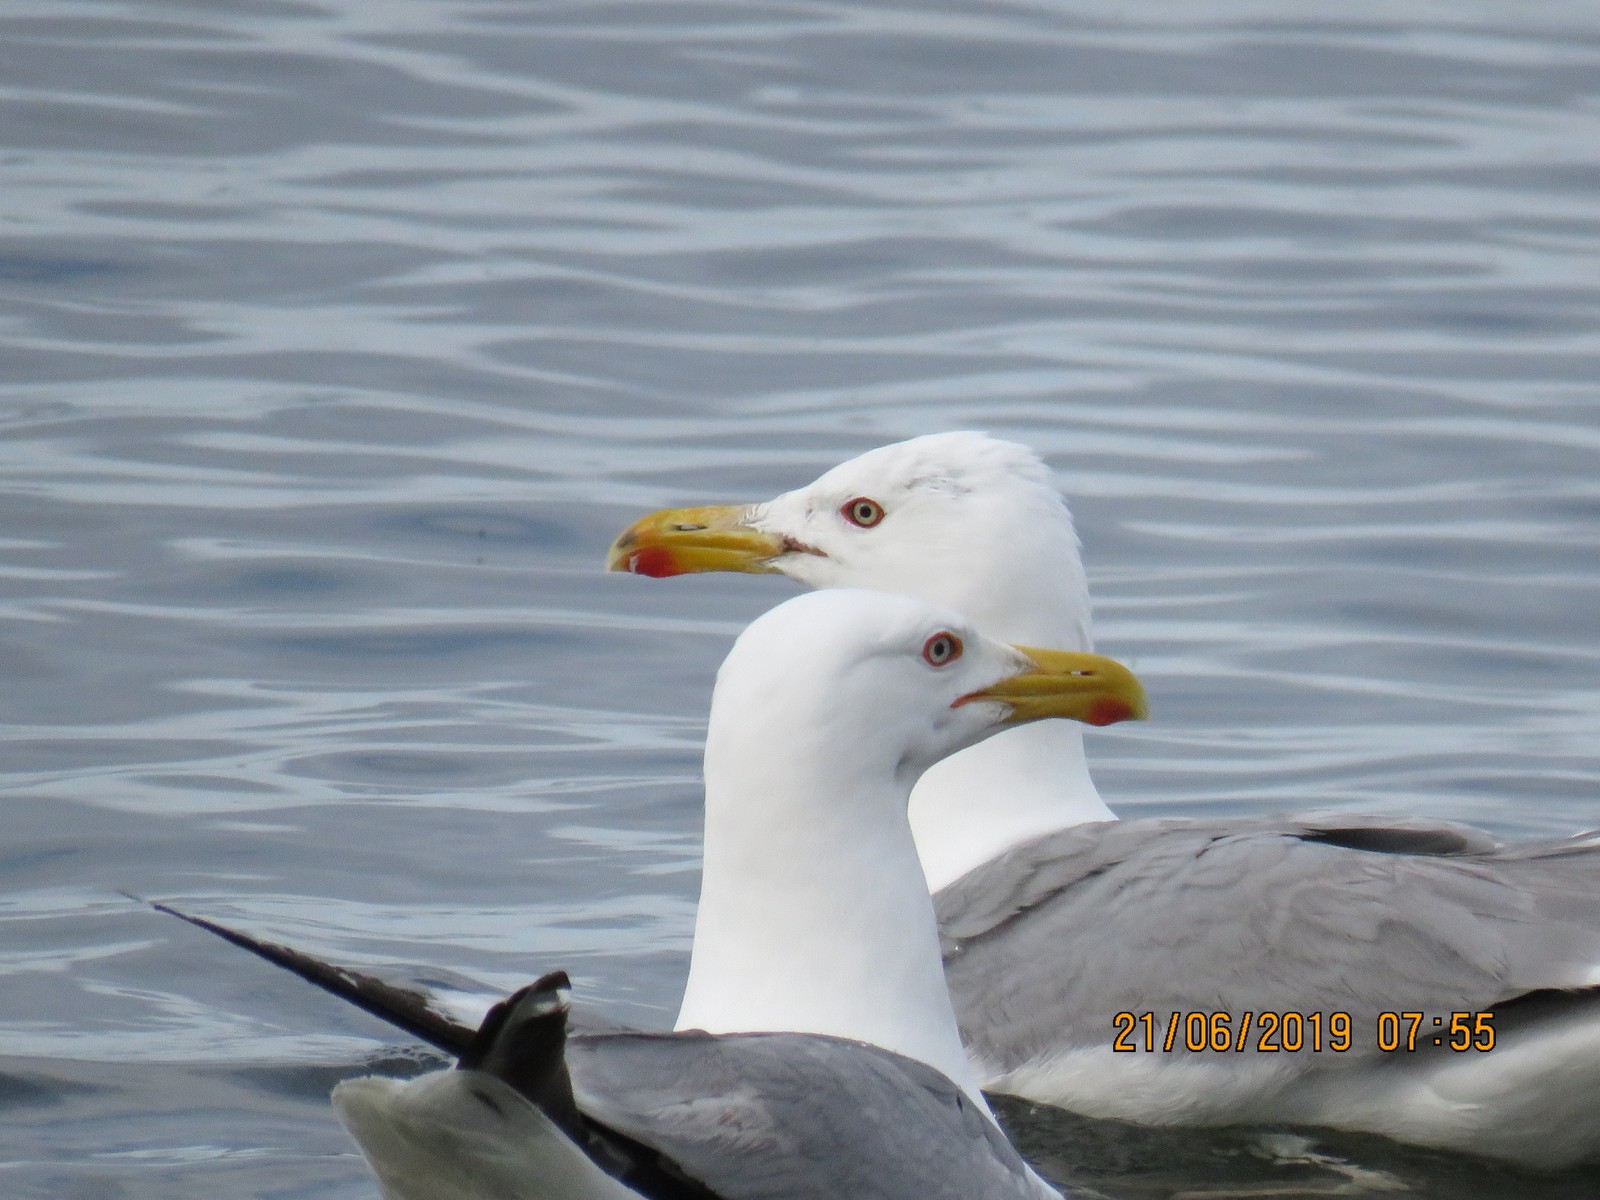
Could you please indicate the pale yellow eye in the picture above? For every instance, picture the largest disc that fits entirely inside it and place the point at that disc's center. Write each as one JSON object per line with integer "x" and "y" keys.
{"x": 862, "y": 511}
{"x": 941, "y": 648}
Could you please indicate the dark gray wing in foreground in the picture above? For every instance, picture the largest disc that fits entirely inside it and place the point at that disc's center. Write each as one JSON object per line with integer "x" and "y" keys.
{"x": 687, "y": 1116}
{"x": 521, "y": 1042}
{"x": 1044, "y": 945}
{"x": 767, "y": 1115}
{"x": 410, "y": 1008}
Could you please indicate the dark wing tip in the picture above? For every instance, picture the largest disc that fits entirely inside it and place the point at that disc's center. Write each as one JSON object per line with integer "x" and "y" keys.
{"x": 404, "y": 1008}
{"x": 523, "y": 1043}
{"x": 1440, "y": 842}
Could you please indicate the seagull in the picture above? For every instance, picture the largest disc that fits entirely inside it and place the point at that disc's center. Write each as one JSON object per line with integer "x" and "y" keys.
{"x": 1441, "y": 988}
{"x": 816, "y": 1053}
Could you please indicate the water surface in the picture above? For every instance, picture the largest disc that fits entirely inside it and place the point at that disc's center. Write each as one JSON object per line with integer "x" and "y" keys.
{"x": 339, "y": 339}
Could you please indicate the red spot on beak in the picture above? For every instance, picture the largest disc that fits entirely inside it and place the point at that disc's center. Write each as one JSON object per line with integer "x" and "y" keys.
{"x": 655, "y": 562}
{"x": 1108, "y": 711}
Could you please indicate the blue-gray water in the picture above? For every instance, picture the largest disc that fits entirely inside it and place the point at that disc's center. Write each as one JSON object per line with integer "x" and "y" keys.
{"x": 338, "y": 338}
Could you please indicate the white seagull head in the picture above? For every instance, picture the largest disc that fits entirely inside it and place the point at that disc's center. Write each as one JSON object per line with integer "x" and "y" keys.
{"x": 963, "y": 520}
{"x": 960, "y": 519}
{"x": 814, "y": 916}
{"x": 885, "y": 685}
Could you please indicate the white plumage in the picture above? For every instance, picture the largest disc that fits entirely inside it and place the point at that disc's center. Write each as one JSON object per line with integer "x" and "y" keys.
{"x": 830, "y": 1061}
{"x": 1056, "y": 916}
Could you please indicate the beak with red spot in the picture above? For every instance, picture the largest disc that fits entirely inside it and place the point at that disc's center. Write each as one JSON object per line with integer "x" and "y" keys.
{"x": 682, "y": 541}
{"x": 1063, "y": 683}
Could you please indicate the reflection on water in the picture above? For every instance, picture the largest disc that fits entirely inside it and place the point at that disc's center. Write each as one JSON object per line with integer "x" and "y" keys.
{"x": 339, "y": 340}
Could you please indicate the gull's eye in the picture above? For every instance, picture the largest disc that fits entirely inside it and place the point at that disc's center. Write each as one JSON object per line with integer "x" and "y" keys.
{"x": 940, "y": 649}
{"x": 861, "y": 511}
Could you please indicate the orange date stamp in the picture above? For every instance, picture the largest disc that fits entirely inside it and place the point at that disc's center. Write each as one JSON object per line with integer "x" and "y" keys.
{"x": 1285, "y": 1032}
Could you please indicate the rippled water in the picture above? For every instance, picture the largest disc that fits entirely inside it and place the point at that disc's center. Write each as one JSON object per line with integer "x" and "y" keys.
{"x": 339, "y": 339}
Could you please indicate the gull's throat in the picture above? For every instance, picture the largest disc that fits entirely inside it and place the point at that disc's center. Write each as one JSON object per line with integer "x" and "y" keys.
{"x": 814, "y": 916}
{"x": 1020, "y": 784}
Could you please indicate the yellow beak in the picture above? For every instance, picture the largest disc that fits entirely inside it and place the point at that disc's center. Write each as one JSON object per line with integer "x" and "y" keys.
{"x": 680, "y": 541}
{"x": 1064, "y": 683}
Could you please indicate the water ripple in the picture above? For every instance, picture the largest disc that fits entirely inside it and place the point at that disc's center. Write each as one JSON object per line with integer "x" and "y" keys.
{"x": 340, "y": 339}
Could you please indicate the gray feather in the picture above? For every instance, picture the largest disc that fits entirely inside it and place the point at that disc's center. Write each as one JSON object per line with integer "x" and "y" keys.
{"x": 1340, "y": 913}
{"x": 769, "y": 1115}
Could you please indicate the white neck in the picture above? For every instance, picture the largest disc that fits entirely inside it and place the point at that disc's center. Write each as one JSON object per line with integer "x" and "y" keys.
{"x": 813, "y": 915}
{"x": 1017, "y": 785}
{"x": 1031, "y": 780}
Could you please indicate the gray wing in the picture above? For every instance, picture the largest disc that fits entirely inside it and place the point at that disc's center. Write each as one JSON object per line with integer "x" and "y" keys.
{"x": 767, "y": 1115}
{"x": 751, "y": 1116}
{"x": 1044, "y": 945}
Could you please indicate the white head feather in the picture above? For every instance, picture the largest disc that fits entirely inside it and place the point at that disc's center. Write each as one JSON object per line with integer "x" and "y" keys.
{"x": 975, "y": 524}
{"x": 813, "y": 912}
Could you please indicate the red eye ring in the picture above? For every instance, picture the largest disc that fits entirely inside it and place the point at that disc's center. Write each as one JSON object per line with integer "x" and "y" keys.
{"x": 941, "y": 649}
{"x": 862, "y": 511}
